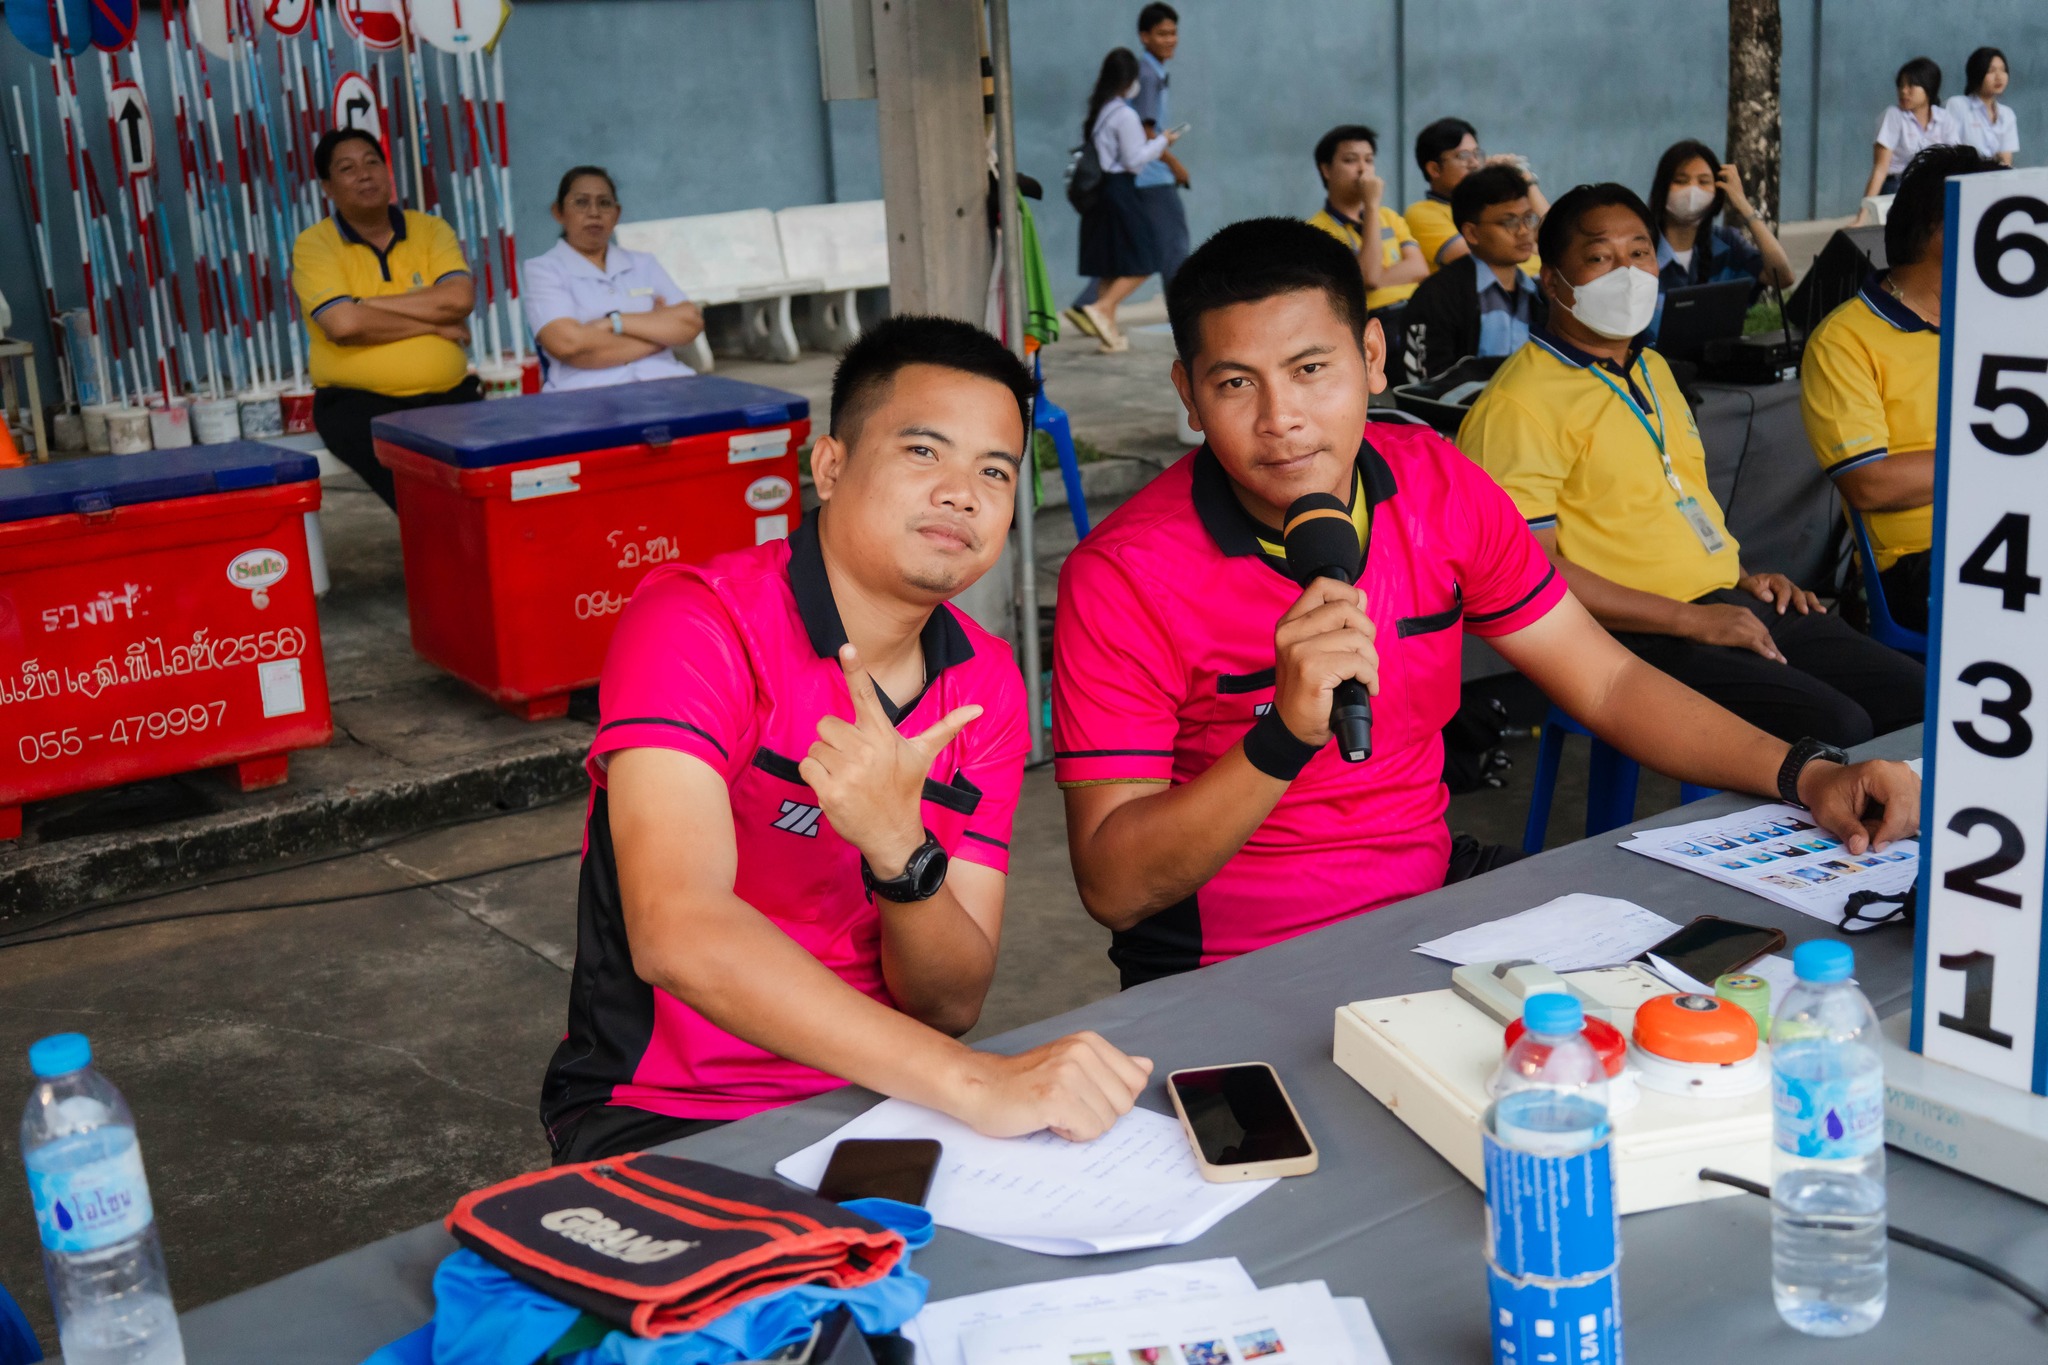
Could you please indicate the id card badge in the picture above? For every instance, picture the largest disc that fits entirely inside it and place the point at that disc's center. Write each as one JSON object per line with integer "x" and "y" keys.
{"x": 1710, "y": 539}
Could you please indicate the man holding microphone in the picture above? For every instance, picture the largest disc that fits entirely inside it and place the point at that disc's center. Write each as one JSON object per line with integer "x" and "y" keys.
{"x": 1208, "y": 814}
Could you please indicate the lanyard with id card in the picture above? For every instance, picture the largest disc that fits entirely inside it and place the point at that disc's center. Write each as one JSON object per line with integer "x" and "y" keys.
{"x": 1710, "y": 537}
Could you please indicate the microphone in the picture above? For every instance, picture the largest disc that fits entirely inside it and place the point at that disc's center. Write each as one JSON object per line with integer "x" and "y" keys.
{"x": 1322, "y": 542}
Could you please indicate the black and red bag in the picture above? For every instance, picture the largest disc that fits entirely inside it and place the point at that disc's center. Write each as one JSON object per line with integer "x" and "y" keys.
{"x": 661, "y": 1244}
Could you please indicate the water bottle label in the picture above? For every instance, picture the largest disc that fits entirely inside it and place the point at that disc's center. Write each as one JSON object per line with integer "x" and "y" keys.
{"x": 1829, "y": 1120}
{"x": 92, "y": 1206}
{"x": 1538, "y": 1323}
{"x": 1551, "y": 1216}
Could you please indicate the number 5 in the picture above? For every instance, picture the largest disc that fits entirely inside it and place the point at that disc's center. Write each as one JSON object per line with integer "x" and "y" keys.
{"x": 1991, "y": 396}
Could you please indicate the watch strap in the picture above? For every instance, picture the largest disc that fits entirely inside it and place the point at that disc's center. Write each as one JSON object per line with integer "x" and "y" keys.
{"x": 922, "y": 876}
{"x": 1796, "y": 759}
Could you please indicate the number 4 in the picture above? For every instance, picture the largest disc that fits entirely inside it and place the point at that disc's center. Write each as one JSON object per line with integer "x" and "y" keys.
{"x": 2011, "y": 580}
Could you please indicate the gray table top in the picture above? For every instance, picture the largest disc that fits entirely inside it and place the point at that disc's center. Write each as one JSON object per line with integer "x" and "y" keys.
{"x": 1384, "y": 1217}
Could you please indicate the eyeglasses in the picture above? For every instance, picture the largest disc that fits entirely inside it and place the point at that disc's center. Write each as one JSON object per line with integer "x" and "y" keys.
{"x": 584, "y": 203}
{"x": 1526, "y": 221}
{"x": 1470, "y": 156}
{"x": 1870, "y": 910}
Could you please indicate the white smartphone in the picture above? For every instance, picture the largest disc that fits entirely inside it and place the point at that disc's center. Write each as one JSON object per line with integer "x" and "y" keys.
{"x": 1240, "y": 1122}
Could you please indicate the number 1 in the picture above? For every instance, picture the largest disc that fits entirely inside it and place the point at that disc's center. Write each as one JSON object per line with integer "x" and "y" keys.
{"x": 1975, "y": 1020}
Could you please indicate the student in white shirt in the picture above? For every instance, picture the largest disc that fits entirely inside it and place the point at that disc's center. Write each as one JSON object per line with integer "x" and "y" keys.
{"x": 1916, "y": 122}
{"x": 1119, "y": 247}
{"x": 602, "y": 314}
{"x": 1984, "y": 123}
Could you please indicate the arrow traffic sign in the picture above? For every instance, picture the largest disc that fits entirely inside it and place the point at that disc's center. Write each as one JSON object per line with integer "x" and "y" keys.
{"x": 134, "y": 135}
{"x": 379, "y": 23}
{"x": 355, "y": 105}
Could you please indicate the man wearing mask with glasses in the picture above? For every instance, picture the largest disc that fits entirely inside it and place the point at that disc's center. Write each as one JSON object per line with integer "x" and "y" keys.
{"x": 1590, "y": 436}
{"x": 1446, "y": 152}
{"x": 1483, "y": 303}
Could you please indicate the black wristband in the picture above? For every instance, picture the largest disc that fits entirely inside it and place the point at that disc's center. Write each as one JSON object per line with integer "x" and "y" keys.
{"x": 1272, "y": 748}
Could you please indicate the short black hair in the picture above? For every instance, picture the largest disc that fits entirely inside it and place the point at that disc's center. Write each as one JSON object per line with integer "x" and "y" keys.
{"x": 1485, "y": 187}
{"x": 330, "y": 142}
{"x": 1978, "y": 65}
{"x": 1261, "y": 258}
{"x": 1155, "y": 14}
{"x": 1439, "y": 137}
{"x": 1918, "y": 208}
{"x": 1328, "y": 143}
{"x": 1573, "y": 205}
{"x": 576, "y": 173}
{"x": 1923, "y": 72}
{"x": 871, "y": 363}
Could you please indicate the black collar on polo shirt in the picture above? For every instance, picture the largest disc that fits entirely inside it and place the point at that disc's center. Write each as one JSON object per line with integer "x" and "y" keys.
{"x": 943, "y": 641}
{"x": 1237, "y": 532}
{"x": 1892, "y": 310}
{"x": 1580, "y": 358}
{"x": 349, "y": 234}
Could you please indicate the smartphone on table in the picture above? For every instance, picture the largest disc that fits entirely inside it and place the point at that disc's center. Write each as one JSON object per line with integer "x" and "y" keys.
{"x": 881, "y": 1168}
{"x": 1711, "y": 946}
{"x": 1241, "y": 1122}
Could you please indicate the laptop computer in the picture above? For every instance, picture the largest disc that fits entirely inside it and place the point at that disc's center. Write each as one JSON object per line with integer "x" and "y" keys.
{"x": 1701, "y": 313}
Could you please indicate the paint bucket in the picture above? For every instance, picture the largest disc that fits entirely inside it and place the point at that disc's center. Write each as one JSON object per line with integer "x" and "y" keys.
{"x": 499, "y": 381}
{"x": 86, "y": 376}
{"x": 67, "y": 431}
{"x": 94, "y": 416}
{"x": 128, "y": 430}
{"x": 261, "y": 415}
{"x": 297, "y": 407}
{"x": 216, "y": 421}
{"x": 170, "y": 424}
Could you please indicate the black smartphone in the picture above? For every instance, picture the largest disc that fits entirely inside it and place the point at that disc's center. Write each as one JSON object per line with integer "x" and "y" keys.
{"x": 881, "y": 1168}
{"x": 1711, "y": 946}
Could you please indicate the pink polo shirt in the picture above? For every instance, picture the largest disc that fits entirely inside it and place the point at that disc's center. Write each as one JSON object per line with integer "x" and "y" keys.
{"x": 1163, "y": 657}
{"x": 735, "y": 661}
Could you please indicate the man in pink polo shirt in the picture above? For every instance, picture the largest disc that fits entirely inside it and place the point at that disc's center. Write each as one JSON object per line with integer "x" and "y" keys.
{"x": 791, "y": 880}
{"x": 1207, "y": 813}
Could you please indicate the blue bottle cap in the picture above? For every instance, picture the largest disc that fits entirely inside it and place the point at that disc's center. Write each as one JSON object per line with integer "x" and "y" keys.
{"x": 1823, "y": 960}
{"x": 1553, "y": 1012}
{"x": 59, "y": 1054}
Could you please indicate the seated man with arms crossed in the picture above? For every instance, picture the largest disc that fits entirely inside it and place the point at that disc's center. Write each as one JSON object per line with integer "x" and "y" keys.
{"x": 792, "y": 880}
{"x": 1207, "y": 812}
{"x": 1592, "y": 438}
{"x": 1870, "y": 384}
{"x": 1483, "y": 303}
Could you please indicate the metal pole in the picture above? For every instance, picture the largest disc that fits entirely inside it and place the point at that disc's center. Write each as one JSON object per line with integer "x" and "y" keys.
{"x": 1013, "y": 337}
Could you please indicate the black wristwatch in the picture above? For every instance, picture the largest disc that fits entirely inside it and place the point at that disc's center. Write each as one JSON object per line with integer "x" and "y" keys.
{"x": 920, "y": 880}
{"x": 1803, "y": 753}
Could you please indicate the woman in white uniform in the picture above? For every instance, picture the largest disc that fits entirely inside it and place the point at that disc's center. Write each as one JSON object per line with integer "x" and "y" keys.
{"x": 1986, "y": 124}
{"x": 602, "y": 314}
{"x": 1916, "y": 122}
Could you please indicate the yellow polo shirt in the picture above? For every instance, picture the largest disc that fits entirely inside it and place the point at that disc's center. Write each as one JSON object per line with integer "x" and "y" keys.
{"x": 1393, "y": 233}
{"x": 1575, "y": 455}
{"x": 332, "y": 264}
{"x": 1870, "y": 384}
{"x": 1430, "y": 221}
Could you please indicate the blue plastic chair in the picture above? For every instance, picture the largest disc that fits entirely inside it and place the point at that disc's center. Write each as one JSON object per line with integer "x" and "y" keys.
{"x": 1610, "y": 790}
{"x": 1049, "y": 417}
{"x": 1883, "y": 627}
{"x": 17, "y": 1344}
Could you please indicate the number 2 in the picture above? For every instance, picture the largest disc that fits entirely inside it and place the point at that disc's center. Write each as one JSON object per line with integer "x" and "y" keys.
{"x": 1970, "y": 877}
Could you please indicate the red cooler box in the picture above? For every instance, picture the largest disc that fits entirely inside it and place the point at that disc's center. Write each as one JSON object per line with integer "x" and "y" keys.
{"x": 527, "y": 522}
{"x": 156, "y": 616}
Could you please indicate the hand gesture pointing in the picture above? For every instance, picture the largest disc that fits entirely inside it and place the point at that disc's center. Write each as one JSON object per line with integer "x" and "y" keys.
{"x": 869, "y": 776}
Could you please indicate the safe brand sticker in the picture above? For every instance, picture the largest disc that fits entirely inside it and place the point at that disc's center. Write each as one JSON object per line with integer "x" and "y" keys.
{"x": 257, "y": 568}
{"x": 769, "y": 492}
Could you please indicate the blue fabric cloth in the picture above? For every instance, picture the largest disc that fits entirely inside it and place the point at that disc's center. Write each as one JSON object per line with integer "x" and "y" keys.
{"x": 1151, "y": 104}
{"x": 1503, "y": 321}
{"x": 484, "y": 1316}
{"x": 17, "y": 1344}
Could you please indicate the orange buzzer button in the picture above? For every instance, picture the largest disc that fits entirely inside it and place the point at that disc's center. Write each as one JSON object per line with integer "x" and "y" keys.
{"x": 1695, "y": 1028}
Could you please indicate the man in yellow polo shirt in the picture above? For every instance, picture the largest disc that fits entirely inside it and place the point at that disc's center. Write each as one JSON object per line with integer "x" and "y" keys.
{"x": 1388, "y": 260}
{"x": 1595, "y": 444}
{"x": 1446, "y": 152}
{"x": 1870, "y": 383}
{"x": 387, "y": 296}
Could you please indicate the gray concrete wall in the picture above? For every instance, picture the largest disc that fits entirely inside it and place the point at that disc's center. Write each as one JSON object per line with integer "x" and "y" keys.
{"x": 705, "y": 105}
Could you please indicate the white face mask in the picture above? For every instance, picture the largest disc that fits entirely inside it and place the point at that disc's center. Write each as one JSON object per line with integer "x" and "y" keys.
{"x": 1688, "y": 203}
{"x": 1617, "y": 305}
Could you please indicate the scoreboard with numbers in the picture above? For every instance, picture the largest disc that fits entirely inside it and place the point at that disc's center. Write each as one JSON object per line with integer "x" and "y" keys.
{"x": 1980, "y": 978}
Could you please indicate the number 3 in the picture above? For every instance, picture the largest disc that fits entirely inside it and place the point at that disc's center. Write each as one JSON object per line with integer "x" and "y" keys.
{"x": 2019, "y": 694}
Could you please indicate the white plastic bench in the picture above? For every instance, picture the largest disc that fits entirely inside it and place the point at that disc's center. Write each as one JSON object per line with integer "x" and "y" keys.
{"x": 846, "y": 246}
{"x": 728, "y": 258}
{"x": 1877, "y": 207}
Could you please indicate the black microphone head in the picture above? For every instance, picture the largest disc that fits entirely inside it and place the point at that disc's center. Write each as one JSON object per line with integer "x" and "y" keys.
{"x": 1321, "y": 539}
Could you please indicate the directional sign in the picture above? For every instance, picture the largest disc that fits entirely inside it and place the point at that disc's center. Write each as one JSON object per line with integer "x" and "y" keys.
{"x": 134, "y": 137}
{"x": 355, "y": 105}
{"x": 287, "y": 16}
{"x": 458, "y": 25}
{"x": 113, "y": 24}
{"x": 31, "y": 24}
{"x": 379, "y": 23}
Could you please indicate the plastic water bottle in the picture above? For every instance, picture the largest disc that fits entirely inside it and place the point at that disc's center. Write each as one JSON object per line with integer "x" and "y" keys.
{"x": 1827, "y": 1164}
{"x": 1553, "y": 1235}
{"x": 100, "y": 1252}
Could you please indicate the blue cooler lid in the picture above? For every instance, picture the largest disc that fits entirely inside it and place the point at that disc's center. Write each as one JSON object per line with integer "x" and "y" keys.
{"x": 99, "y": 483}
{"x": 543, "y": 425}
